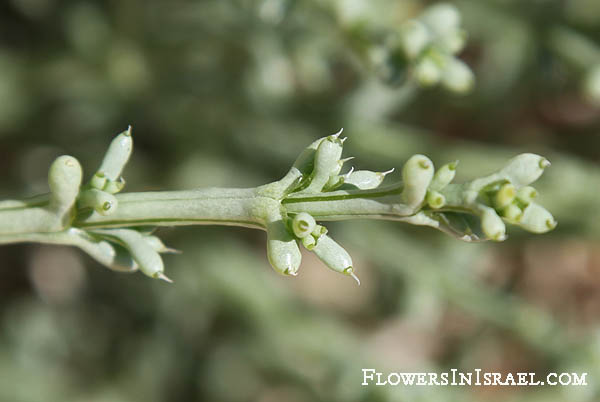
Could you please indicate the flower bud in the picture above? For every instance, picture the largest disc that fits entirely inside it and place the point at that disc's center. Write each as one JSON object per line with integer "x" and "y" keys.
{"x": 512, "y": 213}
{"x": 525, "y": 169}
{"x": 98, "y": 180}
{"x": 365, "y": 179}
{"x": 537, "y": 219}
{"x": 282, "y": 250}
{"x": 443, "y": 176}
{"x": 148, "y": 260}
{"x": 505, "y": 195}
{"x": 309, "y": 242}
{"x": 102, "y": 202}
{"x": 64, "y": 179}
{"x": 414, "y": 38}
{"x": 526, "y": 194}
{"x": 492, "y": 225}
{"x": 435, "y": 199}
{"x": 591, "y": 85}
{"x": 442, "y": 18}
{"x": 326, "y": 161}
{"x": 427, "y": 72}
{"x": 114, "y": 186}
{"x": 333, "y": 255}
{"x": 303, "y": 224}
{"x": 117, "y": 155}
{"x": 417, "y": 174}
{"x": 457, "y": 76}
{"x": 454, "y": 41}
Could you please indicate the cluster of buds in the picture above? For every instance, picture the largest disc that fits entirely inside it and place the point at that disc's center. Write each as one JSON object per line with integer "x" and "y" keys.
{"x": 124, "y": 250}
{"x": 291, "y": 210}
{"x": 430, "y": 44}
{"x": 315, "y": 190}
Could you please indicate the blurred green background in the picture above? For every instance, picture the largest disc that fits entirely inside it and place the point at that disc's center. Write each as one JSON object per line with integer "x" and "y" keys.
{"x": 227, "y": 93}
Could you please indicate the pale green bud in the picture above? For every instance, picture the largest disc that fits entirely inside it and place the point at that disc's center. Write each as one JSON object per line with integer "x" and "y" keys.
{"x": 454, "y": 41}
{"x": 366, "y": 179}
{"x": 457, "y": 76}
{"x": 414, "y": 38}
{"x": 148, "y": 260}
{"x": 427, "y": 72}
{"x": 114, "y": 186}
{"x": 443, "y": 176}
{"x": 157, "y": 244}
{"x": 334, "y": 256}
{"x": 117, "y": 155}
{"x": 282, "y": 250}
{"x": 591, "y": 85}
{"x": 435, "y": 199}
{"x": 526, "y": 194}
{"x": 525, "y": 169}
{"x": 441, "y": 18}
{"x": 98, "y": 180}
{"x": 309, "y": 242}
{"x": 512, "y": 213}
{"x": 319, "y": 231}
{"x": 303, "y": 224}
{"x": 64, "y": 179}
{"x": 537, "y": 219}
{"x": 102, "y": 202}
{"x": 417, "y": 174}
{"x": 505, "y": 195}
{"x": 326, "y": 161}
{"x": 492, "y": 225}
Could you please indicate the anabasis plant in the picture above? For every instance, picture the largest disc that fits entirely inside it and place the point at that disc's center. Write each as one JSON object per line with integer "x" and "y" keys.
{"x": 116, "y": 229}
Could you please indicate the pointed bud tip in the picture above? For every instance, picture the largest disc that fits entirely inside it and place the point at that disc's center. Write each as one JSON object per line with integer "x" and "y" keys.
{"x": 453, "y": 165}
{"x": 163, "y": 277}
{"x": 350, "y": 272}
{"x": 544, "y": 163}
{"x": 338, "y": 133}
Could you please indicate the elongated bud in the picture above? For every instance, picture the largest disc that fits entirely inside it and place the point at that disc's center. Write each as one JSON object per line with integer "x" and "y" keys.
{"x": 111, "y": 255}
{"x": 303, "y": 224}
{"x": 114, "y": 186}
{"x": 441, "y": 18}
{"x": 366, "y": 179}
{"x": 309, "y": 242}
{"x": 454, "y": 41}
{"x": 158, "y": 246}
{"x": 443, "y": 176}
{"x": 435, "y": 200}
{"x": 117, "y": 155}
{"x": 512, "y": 213}
{"x": 98, "y": 181}
{"x": 414, "y": 38}
{"x": 417, "y": 175}
{"x": 524, "y": 169}
{"x": 326, "y": 161}
{"x": 64, "y": 179}
{"x": 333, "y": 255}
{"x": 537, "y": 219}
{"x": 319, "y": 231}
{"x": 457, "y": 76}
{"x": 492, "y": 225}
{"x": 102, "y": 202}
{"x": 505, "y": 195}
{"x": 145, "y": 256}
{"x": 427, "y": 72}
{"x": 282, "y": 250}
{"x": 526, "y": 194}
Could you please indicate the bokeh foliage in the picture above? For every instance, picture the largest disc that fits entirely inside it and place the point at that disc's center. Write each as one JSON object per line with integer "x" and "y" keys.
{"x": 226, "y": 93}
